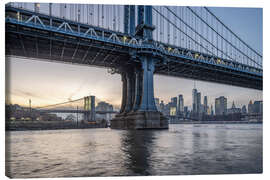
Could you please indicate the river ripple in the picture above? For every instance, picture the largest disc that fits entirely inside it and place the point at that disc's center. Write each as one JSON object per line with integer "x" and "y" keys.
{"x": 183, "y": 149}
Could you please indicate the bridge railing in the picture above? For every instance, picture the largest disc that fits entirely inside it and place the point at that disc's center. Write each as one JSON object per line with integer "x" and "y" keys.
{"x": 172, "y": 50}
{"x": 104, "y": 16}
{"x": 57, "y": 24}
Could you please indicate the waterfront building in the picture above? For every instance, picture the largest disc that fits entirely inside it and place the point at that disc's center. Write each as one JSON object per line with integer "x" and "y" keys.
{"x": 221, "y": 105}
{"x": 250, "y": 107}
{"x": 172, "y": 111}
{"x": 173, "y": 106}
{"x": 233, "y": 109}
{"x": 166, "y": 111}
{"x": 180, "y": 104}
{"x": 194, "y": 100}
{"x": 103, "y": 106}
{"x": 157, "y": 103}
{"x": 244, "y": 109}
{"x": 212, "y": 110}
{"x": 205, "y": 106}
{"x": 257, "y": 107}
{"x": 199, "y": 109}
{"x": 185, "y": 111}
{"x": 174, "y": 101}
{"x": 162, "y": 106}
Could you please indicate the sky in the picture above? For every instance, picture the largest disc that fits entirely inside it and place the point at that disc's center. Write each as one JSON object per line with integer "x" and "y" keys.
{"x": 49, "y": 83}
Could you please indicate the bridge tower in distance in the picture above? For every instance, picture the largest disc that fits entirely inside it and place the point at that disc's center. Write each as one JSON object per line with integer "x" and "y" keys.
{"x": 138, "y": 110}
{"x": 89, "y": 106}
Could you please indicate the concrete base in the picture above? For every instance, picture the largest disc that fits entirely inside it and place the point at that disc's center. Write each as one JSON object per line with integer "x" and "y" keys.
{"x": 140, "y": 120}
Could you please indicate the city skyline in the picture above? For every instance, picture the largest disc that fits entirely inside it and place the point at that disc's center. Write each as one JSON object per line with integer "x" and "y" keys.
{"x": 202, "y": 103}
{"x": 30, "y": 79}
{"x": 111, "y": 94}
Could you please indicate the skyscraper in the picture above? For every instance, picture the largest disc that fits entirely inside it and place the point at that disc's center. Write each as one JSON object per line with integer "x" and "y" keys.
{"x": 212, "y": 111}
{"x": 157, "y": 103}
{"x": 257, "y": 107}
{"x": 250, "y": 107}
{"x": 180, "y": 104}
{"x": 233, "y": 109}
{"x": 194, "y": 100}
{"x": 205, "y": 104}
{"x": 244, "y": 109}
{"x": 162, "y": 106}
{"x": 221, "y": 105}
{"x": 174, "y": 101}
{"x": 199, "y": 109}
{"x": 173, "y": 106}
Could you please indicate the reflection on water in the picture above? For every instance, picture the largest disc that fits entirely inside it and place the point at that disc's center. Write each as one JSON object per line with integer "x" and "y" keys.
{"x": 183, "y": 149}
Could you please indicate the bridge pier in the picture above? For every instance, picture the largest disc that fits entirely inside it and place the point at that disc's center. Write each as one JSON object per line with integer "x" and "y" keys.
{"x": 138, "y": 110}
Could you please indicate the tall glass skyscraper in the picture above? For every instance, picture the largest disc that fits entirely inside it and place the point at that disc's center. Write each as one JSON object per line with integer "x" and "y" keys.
{"x": 180, "y": 104}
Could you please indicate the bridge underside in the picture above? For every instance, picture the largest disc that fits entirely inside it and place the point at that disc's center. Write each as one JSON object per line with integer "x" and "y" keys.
{"x": 30, "y": 43}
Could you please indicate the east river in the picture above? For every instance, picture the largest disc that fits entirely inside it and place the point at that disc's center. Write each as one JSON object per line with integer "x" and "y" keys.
{"x": 183, "y": 149}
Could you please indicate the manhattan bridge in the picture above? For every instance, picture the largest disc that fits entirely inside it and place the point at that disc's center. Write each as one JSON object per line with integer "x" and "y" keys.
{"x": 135, "y": 42}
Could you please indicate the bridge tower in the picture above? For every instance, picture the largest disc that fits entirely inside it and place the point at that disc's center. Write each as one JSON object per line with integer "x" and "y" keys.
{"x": 89, "y": 106}
{"x": 138, "y": 110}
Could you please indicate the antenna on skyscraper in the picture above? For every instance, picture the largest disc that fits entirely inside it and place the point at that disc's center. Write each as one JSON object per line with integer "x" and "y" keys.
{"x": 194, "y": 84}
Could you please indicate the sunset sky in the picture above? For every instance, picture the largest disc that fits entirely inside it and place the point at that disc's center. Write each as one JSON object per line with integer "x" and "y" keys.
{"x": 49, "y": 83}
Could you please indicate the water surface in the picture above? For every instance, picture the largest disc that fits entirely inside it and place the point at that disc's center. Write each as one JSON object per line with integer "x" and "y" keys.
{"x": 183, "y": 149}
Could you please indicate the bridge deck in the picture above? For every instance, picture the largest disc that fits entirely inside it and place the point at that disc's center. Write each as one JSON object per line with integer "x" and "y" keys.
{"x": 94, "y": 46}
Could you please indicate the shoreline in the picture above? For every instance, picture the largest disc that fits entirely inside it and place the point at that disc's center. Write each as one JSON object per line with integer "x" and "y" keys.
{"x": 217, "y": 122}
{"x": 28, "y": 127}
{"x": 49, "y": 125}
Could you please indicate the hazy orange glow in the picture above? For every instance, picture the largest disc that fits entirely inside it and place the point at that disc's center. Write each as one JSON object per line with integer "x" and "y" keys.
{"x": 48, "y": 83}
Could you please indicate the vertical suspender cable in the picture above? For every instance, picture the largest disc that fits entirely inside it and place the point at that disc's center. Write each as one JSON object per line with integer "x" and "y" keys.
{"x": 98, "y": 15}
{"x": 180, "y": 25}
{"x": 114, "y": 23}
{"x": 201, "y": 29}
{"x": 195, "y": 26}
{"x": 102, "y": 15}
{"x": 168, "y": 27}
{"x": 156, "y": 30}
{"x": 174, "y": 30}
{"x": 217, "y": 39}
{"x": 91, "y": 15}
{"x": 162, "y": 25}
{"x": 186, "y": 28}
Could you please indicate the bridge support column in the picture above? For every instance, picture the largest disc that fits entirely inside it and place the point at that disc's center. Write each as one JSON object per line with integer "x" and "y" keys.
{"x": 124, "y": 92}
{"x": 139, "y": 110}
{"x": 138, "y": 104}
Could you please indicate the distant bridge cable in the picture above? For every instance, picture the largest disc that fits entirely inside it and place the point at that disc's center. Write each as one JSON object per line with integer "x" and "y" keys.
{"x": 51, "y": 105}
{"x": 233, "y": 32}
{"x": 191, "y": 28}
{"x": 185, "y": 33}
{"x": 226, "y": 39}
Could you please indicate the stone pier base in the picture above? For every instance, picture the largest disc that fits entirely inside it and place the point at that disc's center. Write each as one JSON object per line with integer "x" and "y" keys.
{"x": 140, "y": 120}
